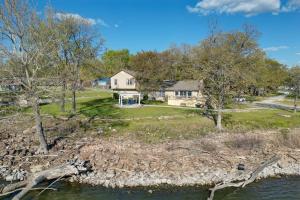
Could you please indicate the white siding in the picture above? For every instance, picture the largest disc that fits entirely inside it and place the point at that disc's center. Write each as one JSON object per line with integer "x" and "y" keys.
{"x": 120, "y": 81}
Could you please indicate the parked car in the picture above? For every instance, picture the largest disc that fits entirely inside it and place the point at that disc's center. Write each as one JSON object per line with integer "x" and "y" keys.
{"x": 239, "y": 99}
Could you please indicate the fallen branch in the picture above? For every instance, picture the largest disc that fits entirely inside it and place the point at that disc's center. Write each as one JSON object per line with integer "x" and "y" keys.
{"x": 34, "y": 156}
{"x": 49, "y": 186}
{"x": 188, "y": 149}
{"x": 252, "y": 178}
{"x": 289, "y": 155}
{"x": 11, "y": 192}
{"x": 14, "y": 186}
{"x": 66, "y": 170}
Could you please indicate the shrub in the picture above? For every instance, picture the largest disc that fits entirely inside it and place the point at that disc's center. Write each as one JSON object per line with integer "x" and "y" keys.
{"x": 153, "y": 102}
{"x": 115, "y": 95}
{"x": 145, "y": 97}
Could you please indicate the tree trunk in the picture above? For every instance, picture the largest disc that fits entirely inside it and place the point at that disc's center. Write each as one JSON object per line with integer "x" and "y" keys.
{"x": 39, "y": 126}
{"x": 219, "y": 119}
{"x": 74, "y": 88}
{"x": 63, "y": 96}
{"x": 220, "y": 107}
{"x": 295, "y": 103}
{"x": 74, "y": 101}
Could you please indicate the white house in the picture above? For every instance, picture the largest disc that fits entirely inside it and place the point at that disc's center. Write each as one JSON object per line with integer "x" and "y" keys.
{"x": 185, "y": 93}
{"x": 125, "y": 85}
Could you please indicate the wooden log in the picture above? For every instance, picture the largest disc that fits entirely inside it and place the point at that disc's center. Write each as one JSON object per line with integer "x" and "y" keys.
{"x": 65, "y": 170}
{"x": 53, "y": 173}
{"x": 252, "y": 178}
{"x": 8, "y": 193}
{"x": 14, "y": 186}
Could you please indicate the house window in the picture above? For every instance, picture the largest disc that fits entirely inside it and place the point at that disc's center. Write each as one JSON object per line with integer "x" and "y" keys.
{"x": 130, "y": 81}
{"x": 116, "y": 81}
{"x": 183, "y": 93}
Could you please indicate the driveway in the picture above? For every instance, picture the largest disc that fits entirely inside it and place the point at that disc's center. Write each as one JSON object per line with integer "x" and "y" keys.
{"x": 273, "y": 102}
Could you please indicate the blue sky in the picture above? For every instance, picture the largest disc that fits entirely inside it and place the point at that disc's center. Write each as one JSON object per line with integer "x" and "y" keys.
{"x": 156, "y": 24}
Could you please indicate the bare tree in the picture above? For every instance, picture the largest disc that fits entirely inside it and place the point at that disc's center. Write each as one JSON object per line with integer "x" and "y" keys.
{"x": 79, "y": 42}
{"x": 27, "y": 46}
{"x": 224, "y": 57}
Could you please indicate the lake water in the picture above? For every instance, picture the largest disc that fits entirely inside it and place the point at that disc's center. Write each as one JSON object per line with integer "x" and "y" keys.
{"x": 269, "y": 189}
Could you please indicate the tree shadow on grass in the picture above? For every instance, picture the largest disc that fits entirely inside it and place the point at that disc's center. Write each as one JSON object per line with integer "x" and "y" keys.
{"x": 103, "y": 109}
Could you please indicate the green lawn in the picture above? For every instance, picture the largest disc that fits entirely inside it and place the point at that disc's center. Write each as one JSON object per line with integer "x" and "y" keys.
{"x": 97, "y": 103}
{"x": 91, "y": 93}
{"x": 147, "y": 123}
{"x": 238, "y": 106}
{"x": 262, "y": 119}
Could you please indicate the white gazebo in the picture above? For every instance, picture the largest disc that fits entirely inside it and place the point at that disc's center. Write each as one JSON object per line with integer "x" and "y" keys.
{"x": 133, "y": 99}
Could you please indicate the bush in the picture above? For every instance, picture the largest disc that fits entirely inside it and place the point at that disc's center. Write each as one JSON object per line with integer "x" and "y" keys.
{"x": 145, "y": 97}
{"x": 153, "y": 102}
{"x": 115, "y": 95}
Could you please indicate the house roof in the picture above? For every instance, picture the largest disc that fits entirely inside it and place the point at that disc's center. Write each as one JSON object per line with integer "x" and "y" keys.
{"x": 189, "y": 85}
{"x": 167, "y": 84}
{"x": 132, "y": 73}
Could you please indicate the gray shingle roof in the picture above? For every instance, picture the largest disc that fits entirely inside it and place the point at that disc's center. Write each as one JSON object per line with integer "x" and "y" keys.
{"x": 188, "y": 85}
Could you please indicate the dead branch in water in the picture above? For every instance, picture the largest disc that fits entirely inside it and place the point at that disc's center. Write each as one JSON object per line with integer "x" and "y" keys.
{"x": 252, "y": 178}
{"x": 58, "y": 172}
{"x": 8, "y": 193}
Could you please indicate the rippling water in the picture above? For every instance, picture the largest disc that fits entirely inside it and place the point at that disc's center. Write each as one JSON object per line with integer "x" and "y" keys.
{"x": 269, "y": 189}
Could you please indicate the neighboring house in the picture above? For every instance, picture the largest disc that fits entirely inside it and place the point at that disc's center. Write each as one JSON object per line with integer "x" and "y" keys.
{"x": 185, "y": 93}
{"x": 160, "y": 95}
{"x": 125, "y": 85}
{"x": 181, "y": 93}
{"x": 123, "y": 81}
{"x": 103, "y": 83}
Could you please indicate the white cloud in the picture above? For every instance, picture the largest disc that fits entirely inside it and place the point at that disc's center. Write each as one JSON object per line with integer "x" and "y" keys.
{"x": 298, "y": 53}
{"x": 275, "y": 48}
{"x": 291, "y": 5}
{"x": 247, "y": 7}
{"x": 90, "y": 21}
{"x": 102, "y": 22}
{"x": 116, "y": 25}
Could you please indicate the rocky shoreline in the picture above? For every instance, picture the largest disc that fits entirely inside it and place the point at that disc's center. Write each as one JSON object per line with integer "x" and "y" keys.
{"x": 182, "y": 163}
{"x": 208, "y": 177}
{"x": 119, "y": 161}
